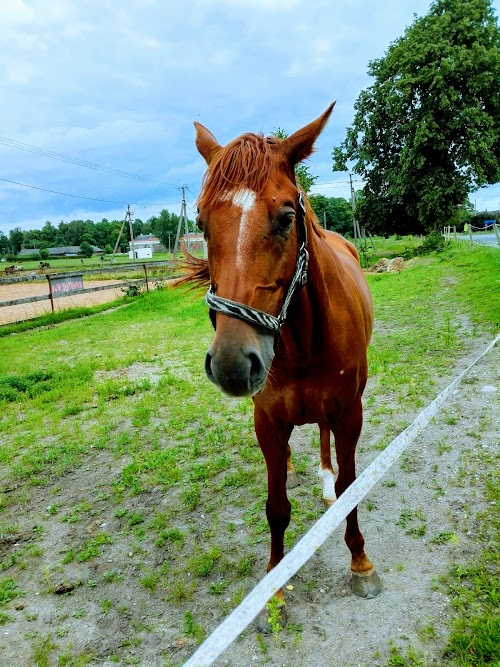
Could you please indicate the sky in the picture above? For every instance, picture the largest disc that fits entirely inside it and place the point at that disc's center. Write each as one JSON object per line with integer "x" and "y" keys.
{"x": 117, "y": 86}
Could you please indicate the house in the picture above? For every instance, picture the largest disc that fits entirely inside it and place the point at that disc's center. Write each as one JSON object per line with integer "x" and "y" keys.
{"x": 145, "y": 245}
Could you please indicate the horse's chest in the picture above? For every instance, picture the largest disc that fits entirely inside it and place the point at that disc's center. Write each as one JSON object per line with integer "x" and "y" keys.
{"x": 311, "y": 397}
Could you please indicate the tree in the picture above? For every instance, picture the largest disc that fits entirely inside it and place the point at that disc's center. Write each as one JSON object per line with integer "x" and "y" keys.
{"x": 48, "y": 234}
{"x": 427, "y": 131}
{"x": 86, "y": 249}
{"x": 335, "y": 211}
{"x": 164, "y": 226}
{"x": 4, "y": 244}
{"x": 137, "y": 227}
{"x": 16, "y": 238}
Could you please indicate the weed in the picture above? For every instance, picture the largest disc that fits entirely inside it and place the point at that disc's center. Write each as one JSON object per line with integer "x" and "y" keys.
{"x": 191, "y": 496}
{"x": 397, "y": 659}
{"x": 42, "y": 650}
{"x": 202, "y": 564}
{"x": 413, "y": 522}
{"x": 191, "y": 628}
{"x": 445, "y": 536}
{"x": 274, "y": 608}
{"x": 172, "y": 535}
{"x": 8, "y": 591}
{"x": 106, "y": 606}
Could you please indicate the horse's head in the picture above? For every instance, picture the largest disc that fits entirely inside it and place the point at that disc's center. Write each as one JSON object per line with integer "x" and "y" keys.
{"x": 252, "y": 215}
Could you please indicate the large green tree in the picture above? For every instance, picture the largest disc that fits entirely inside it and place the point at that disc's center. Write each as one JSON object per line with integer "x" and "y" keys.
{"x": 427, "y": 131}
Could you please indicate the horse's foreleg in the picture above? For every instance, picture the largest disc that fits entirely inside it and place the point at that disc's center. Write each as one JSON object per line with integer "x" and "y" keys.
{"x": 366, "y": 582}
{"x": 326, "y": 472}
{"x": 273, "y": 442}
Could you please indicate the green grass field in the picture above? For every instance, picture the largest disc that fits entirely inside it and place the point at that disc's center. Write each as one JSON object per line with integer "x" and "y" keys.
{"x": 125, "y": 392}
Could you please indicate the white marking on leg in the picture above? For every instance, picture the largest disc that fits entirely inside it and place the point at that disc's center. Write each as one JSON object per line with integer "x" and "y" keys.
{"x": 246, "y": 200}
{"x": 328, "y": 480}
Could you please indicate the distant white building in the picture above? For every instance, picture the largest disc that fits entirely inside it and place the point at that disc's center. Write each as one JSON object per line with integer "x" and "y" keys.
{"x": 144, "y": 246}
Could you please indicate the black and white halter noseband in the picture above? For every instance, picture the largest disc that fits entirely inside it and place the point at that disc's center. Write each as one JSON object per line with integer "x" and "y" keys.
{"x": 258, "y": 317}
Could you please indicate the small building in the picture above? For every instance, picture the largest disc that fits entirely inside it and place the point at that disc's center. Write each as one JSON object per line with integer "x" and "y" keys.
{"x": 62, "y": 251}
{"x": 147, "y": 241}
{"x": 141, "y": 252}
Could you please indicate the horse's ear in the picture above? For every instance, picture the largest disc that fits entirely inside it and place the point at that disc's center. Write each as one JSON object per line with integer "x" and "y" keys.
{"x": 206, "y": 143}
{"x": 299, "y": 145}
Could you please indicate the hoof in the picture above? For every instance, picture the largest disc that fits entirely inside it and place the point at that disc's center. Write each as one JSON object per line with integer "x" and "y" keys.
{"x": 367, "y": 585}
{"x": 265, "y": 626}
{"x": 292, "y": 480}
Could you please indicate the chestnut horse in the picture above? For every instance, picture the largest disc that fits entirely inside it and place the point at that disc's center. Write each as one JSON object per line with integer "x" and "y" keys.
{"x": 292, "y": 313}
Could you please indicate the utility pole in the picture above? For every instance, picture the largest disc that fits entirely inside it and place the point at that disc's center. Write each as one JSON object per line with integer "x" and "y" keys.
{"x": 183, "y": 218}
{"x": 353, "y": 204}
{"x": 120, "y": 235}
{"x": 129, "y": 217}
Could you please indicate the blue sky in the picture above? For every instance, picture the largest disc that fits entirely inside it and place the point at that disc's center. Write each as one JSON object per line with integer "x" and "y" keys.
{"x": 118, "y": 84}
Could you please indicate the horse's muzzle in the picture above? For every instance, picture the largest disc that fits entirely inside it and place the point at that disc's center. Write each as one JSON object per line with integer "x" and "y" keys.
{"x": 239, "y": 371}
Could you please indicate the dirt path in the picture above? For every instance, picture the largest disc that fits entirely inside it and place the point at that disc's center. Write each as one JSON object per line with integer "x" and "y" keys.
{"x": 27, "y": 311}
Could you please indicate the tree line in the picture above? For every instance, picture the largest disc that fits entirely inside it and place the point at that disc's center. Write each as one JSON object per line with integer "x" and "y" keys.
{"x": 334, "y": 213}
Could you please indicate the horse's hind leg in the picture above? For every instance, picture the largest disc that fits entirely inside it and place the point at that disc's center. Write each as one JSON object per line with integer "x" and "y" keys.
{"x": 326, "y": 472}
{"x": 365, "y": 581}
{"x": 292, "y": 479}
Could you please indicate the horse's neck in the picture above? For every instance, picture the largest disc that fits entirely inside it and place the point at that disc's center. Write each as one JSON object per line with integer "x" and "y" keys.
{"x": 311, "y": 314}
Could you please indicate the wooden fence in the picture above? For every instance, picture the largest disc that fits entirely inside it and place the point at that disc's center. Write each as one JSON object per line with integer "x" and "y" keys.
{"x": 71, "y": 283}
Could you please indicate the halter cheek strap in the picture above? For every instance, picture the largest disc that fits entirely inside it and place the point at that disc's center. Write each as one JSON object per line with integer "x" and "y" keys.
{"x": 258, "y": 317}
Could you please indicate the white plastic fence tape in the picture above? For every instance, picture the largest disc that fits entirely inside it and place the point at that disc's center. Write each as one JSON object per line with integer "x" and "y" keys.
{"x": 256, "y": 600}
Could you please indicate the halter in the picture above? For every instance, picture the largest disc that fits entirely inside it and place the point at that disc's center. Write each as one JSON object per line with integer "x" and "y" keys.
{"x": 258, "y": 317}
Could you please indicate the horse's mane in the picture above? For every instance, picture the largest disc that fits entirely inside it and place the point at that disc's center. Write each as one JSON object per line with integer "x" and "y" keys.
{"x": 245, "y": 163}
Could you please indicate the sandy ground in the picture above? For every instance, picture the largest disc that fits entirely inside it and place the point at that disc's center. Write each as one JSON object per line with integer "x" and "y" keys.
{"x": 27, "y": 311}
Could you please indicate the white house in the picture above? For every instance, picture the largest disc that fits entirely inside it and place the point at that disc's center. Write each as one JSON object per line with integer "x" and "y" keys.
{"x": 144, "y": 245}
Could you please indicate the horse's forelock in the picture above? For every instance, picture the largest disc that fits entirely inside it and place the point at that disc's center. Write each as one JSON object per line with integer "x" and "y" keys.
{"x": 245, "y": 163}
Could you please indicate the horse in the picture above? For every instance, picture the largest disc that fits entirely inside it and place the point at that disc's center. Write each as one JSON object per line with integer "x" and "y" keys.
{"x": 293, "y": 317}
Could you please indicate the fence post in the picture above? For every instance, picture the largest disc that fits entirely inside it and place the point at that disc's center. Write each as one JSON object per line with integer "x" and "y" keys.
{"x": 146, "y": 276}
{"x": 470, "y": 236}
{"x": 50, "y": 292}
{"x": 497, "y": 234}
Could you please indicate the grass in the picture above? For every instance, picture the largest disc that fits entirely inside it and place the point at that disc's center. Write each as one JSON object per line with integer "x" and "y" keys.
{"x": 125, "y": 392}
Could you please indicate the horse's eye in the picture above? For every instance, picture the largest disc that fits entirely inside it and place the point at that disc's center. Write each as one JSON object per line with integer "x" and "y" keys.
{"x": 284, "y": 221}
{"x": 199, "y": 223}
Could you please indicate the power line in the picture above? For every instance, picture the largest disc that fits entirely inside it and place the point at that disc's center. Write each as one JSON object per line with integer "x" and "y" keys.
{"x": 12, "y": 143}
{"x": 67, "y": 194}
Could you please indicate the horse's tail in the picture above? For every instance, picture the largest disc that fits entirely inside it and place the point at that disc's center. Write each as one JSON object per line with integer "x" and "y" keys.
{"x": 195, "y": 270}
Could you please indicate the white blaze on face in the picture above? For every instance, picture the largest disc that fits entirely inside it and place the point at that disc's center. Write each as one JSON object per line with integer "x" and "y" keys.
{"x": 245, "y": 199}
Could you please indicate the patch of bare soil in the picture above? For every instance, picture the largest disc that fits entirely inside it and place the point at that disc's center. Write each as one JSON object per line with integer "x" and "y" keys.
{"x": 97, "y": 607}
{"x": 27, "y": 311}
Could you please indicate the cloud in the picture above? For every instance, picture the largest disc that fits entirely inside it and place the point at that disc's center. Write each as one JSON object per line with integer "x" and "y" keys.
{"x": 120, "y": 85}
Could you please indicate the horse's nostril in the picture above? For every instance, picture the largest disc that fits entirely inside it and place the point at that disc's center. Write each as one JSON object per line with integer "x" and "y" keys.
{"x": 256, "y": 367}
{"x": 208, "y": 364}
